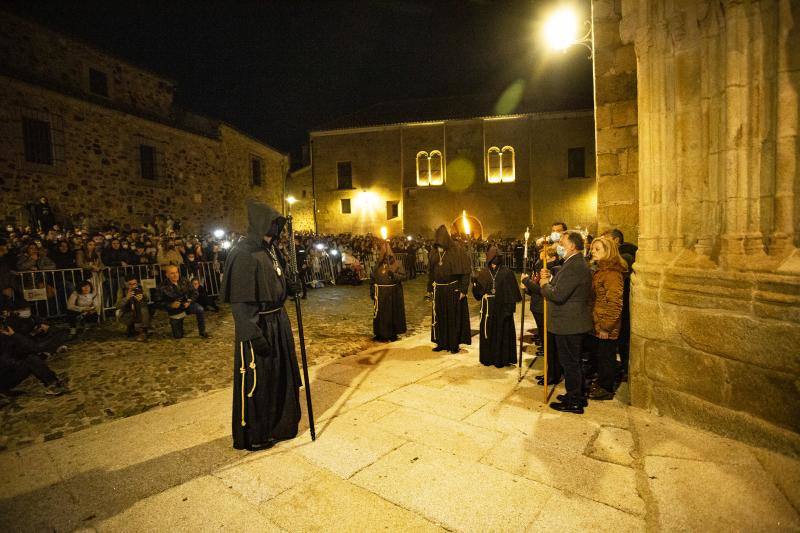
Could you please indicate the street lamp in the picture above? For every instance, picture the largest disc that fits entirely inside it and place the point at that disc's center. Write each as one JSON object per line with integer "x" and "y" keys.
{"x": 561, "y": 31}
{"x": 219, "y": 233}
{"x": 291, "y": 200}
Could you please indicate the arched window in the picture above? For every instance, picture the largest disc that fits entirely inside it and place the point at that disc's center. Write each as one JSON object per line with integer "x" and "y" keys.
{"x": 507, "y": 165}
{"x": 500, "y": 165}
{"x": 493, "y": 165}
{"x": 430, "y": 168}
{"x": 437, "y": 168}
{"x": 423, "y": 169}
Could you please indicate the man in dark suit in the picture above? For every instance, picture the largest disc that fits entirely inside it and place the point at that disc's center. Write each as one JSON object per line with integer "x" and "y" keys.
{"x": 569, "y": 319}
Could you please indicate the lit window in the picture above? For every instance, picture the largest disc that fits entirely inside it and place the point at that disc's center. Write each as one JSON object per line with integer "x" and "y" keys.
{"x": 430, "y": 168}
{"x": 423, "y": 169}
{"x": 500, "y": 165}
{"x": 437, "y": 168}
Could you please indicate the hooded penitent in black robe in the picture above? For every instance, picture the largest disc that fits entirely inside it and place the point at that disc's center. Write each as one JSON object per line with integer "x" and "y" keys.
{"x": 496, "y": 288}
{"x": 266, "y": 377}
{"x": 386, "y": 292}
{"x": 448, "y": 280}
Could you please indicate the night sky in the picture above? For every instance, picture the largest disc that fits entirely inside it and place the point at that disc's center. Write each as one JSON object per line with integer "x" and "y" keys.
{"x": 278, "y": 69}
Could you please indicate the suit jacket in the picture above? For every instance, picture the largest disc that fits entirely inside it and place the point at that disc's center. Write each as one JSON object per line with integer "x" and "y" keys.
{"x": 568, "y": 297}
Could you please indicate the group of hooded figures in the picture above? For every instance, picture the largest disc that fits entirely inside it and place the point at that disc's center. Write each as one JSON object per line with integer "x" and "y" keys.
{"x": 449, "y": 278}
{"x": 266, "y": 399}
{"x": 266, "y": 384}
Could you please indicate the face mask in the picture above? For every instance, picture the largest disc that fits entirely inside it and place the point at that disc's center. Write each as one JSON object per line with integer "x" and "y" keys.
{"x": 561, "y": 251}
{"x": 555, "y": 236}
{"x": 24, "y": 313}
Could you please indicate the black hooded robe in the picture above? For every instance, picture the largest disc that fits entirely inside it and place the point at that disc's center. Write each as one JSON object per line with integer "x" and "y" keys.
{"x": 448, "y": 279}
{"x": 386, "y": 292}
{"x": 498, "y": 295}
{"x": 266, "y": 376}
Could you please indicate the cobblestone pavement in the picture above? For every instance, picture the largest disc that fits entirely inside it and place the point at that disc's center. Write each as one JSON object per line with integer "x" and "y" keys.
{"x": 113, "y": 377}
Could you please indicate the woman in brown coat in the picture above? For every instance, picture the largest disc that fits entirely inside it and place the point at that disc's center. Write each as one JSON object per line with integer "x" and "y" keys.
{"x": 607, "y": 290}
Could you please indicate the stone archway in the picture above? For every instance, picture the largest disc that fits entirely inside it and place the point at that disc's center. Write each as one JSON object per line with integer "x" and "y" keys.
{"x": 476, "y": 227}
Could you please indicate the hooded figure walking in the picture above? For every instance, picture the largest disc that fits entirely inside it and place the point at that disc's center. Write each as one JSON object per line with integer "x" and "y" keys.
{"x": 266, "y": 376}
{"x": 496, "y": 288}
{"x": 386, "y": 292}
{"x": 448, "y": 280}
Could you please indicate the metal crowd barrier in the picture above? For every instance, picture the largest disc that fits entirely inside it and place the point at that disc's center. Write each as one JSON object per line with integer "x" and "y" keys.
{"x": 48, "y": 290}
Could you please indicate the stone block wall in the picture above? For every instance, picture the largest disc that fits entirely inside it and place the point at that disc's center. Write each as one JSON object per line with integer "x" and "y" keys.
{"x": 35, "y": 53}
{"x": 300, "y": 186}
{"x": 384, "y": 163}
{"x": 615, "y": 121}
{"x": 203, "y": 181}
{"x": 716, "y": 290}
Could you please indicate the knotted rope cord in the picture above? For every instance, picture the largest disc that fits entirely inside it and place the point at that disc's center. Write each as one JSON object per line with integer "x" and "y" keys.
{"x": 253, "y": 366}
{"x": 485, "y": 300}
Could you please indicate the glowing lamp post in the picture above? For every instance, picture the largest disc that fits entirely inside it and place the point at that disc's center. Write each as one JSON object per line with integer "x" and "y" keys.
{"x": 384, "y": 233}
{"x": 561, "y": 31}
{"x": 465, "y": 221}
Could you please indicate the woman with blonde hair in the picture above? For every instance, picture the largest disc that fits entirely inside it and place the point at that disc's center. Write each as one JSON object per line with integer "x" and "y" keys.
{"x": 607, "y": 292}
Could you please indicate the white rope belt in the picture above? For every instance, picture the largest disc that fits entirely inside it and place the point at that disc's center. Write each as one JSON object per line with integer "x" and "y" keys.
{"x": 270, "y": 312}
{"x": 433, "y": 304}
{"x": 485, "y": 302}
{"x": 243, "y": 372}
{"x": 375, "y": 304}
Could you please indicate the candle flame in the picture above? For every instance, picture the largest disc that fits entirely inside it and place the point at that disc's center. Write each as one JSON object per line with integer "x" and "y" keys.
{"x": 384, "y": 233}
{"x": 467, "y": 229}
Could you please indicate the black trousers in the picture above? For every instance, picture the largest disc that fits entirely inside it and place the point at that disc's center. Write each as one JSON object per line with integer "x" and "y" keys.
{"x": 569, "y": 354}
{"x": 553, "y": 366}
{"x": 606, "y": 363}
{"x": 14, "y": 370}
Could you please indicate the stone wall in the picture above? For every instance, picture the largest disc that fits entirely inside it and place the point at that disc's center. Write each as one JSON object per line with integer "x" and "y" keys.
{"x": 35, "y": 53}
{"x": 203, "y": 181}
{"x": 384, "y": 168}
{"x": 300, "y": 185}
{"x": 615, "y": 122}
{"x": 716, "y": 293}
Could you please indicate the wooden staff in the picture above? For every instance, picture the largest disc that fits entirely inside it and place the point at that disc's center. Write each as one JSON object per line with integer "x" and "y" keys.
{"x": 522, "y": 313}
{"x": 544, "y": 334}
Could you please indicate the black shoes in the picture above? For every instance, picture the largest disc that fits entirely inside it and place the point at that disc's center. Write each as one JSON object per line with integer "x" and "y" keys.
{"x": 563, "y": 397}
{"x": 205, "y": 335}
{"x": 438, "y": 349}
{"x": 568, "y": 406}
{"x": 600, "y": 393}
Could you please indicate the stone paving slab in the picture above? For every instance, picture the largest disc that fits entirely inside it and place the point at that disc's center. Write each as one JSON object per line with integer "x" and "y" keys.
{"x": 459, "y": 494}
{"x": 608, "y": 483}
{"x": 202, "y": 504}
{"x": 408, "y": 439}
{"x": 703, "y": 496}
{"x": 572, "y": 513}
{"x": 328, "y": 503}
{"x": 438, "y": 432}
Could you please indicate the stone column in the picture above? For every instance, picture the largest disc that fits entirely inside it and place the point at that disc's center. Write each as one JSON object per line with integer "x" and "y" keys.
{"x": 615, "y": 122}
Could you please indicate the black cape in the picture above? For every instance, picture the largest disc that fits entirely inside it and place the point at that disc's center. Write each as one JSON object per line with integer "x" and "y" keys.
{"x": 448, "y": 279}
{"x": 499, "y": 297}
{"x": 266, "y": 376}
{"x": 386, "y": 292}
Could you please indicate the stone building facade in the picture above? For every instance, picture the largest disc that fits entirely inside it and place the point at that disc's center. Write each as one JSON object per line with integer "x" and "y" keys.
{"x": 716, "y": 289}
{"x": 300, "y": 185}
{"x": 99, "y": 136}
{"x": 508, "y": 172}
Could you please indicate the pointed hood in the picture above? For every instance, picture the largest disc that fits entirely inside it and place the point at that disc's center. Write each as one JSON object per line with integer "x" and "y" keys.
{"x": 491, "y": 254}
{"x": 385, "y": 253}
{"x": 260, "y": 218}
{"x": 443, "y": 238}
